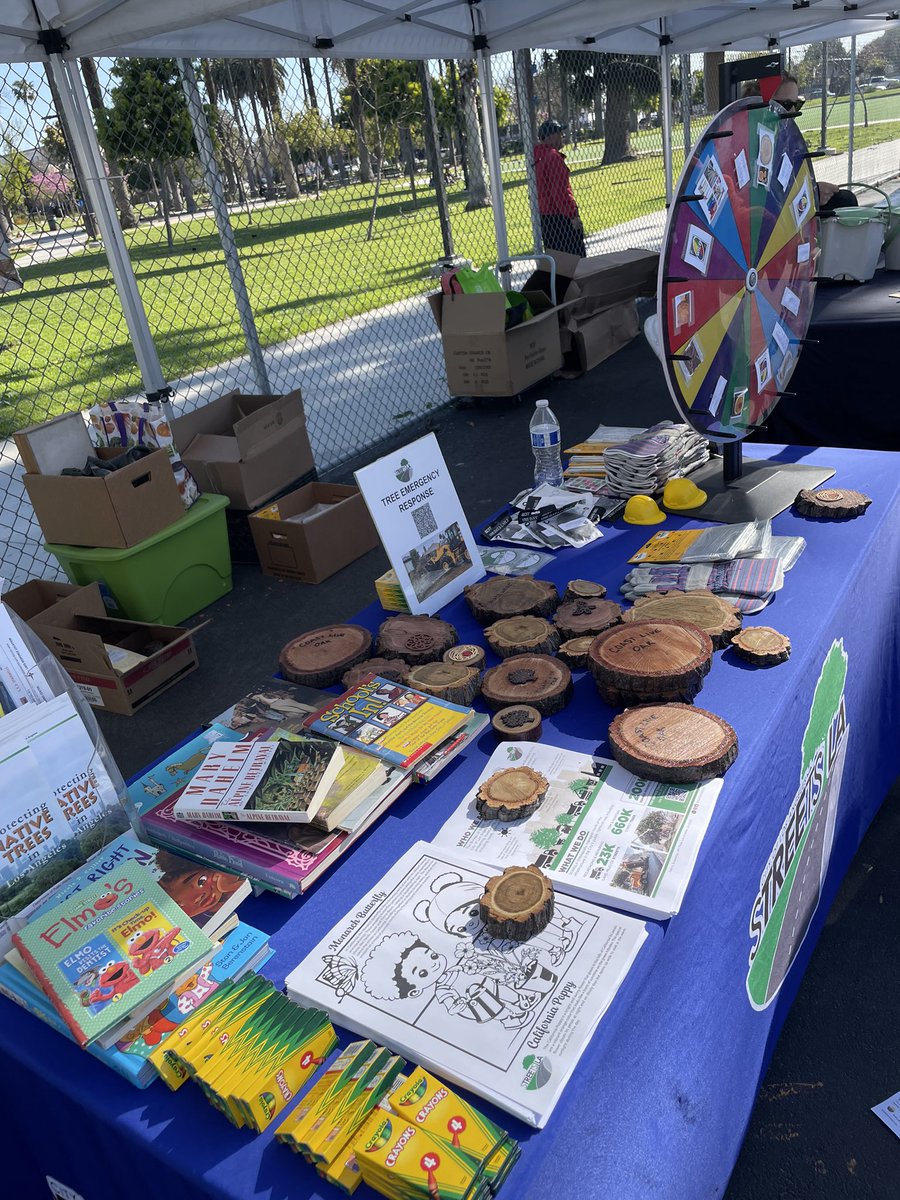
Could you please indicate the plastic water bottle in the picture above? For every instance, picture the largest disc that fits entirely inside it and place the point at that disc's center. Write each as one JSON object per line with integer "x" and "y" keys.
{"x": 545, "y": 445}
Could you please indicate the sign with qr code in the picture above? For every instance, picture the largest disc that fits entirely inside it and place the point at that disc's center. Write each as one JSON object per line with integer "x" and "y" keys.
{"x": 421, "y": 524}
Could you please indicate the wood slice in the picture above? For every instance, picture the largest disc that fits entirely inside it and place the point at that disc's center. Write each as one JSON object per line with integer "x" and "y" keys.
{"x": 321, "y": 656}
{"x": 522, "y": 635}
{"x": 576, "y": 618}
{"x": 517, "y": 904}
{"x": 517, "y": 723}
{"x": 536, "y": 679}
{"x": 652, "y": 659}
{"x": 626, "y": 698}
{"x": 835, "y": 504}
{"x": 511, "y": 596}
{"x": 762, "y": 645}
{"x": 418, "y": 640}
{"x": 448, "y": 681}
{"x": 704, "y": 609}
{"x": 511, "y": 794}
{"x": 394, "y": 669}
{"x": 584, "y": 589}
{"x": 575, "y": 653}
{"x": 673, "y": 743}
{"x": 467, "y": 654}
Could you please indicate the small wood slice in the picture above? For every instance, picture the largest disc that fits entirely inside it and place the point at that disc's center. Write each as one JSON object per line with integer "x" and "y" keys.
{"x": 835, "y": 504}
{"x": 584, "y": 589}
{"x": 522, "y": 635}
{"x": 673, "y": 743}
{"x": 517, "y": 904}
{"x": 394, "y": 669}
{"x": 536, "y": 679}
{"x": 511, "y": 794}
{"x": 655, "y": 660}
{"x": 511, "y": 596}
{"x": 575, "y": 653}
{"x": 626, "y": 698}
{"x": 762, "y": 645}
{"x": 448, "y": 681}
{"x": 518, "y": 723}
{"x": 576, "y": 618}
{"x": 467, "y": 655}
{"x": 704, "y": 609}
{"x": 321, "y": 656}
{"x": 418, "y": 640}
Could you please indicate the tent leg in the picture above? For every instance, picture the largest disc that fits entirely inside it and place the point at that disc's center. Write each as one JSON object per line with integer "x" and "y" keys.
{"x": 851, "y": 132}
{"x": 223, "y": 223}
{"x": 492, "y": 137}
{"x": 665, "y": 89}
{"x": 522, "y": 63}
{"x": 86, "y": 150}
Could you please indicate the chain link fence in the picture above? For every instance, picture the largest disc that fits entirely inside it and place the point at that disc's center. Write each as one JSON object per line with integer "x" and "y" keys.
{"x": 343, "y": 186}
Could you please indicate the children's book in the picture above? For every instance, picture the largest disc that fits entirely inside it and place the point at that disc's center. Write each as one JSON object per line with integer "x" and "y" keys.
{"x": 361, "y": 778}
{"x": 434, "y": 762}
{"x": 106, "y": 955}
{"x": 397, "y": 723}
{"x": 284, "y": 780}
{"x": 273, "y": 703}
{"x": 171, "y": 773}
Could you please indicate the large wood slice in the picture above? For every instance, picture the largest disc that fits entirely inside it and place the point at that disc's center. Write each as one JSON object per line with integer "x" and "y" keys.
{"x": 522, "y": 635}
{"x": 584, "y": 589}
{"x": 536, "y": 679}
{"x": 511, "y": 596}
{"x": 762, "y": 645}
{"x": 576, "y": 652}
{"x": 832, "y": 504}
{"x": 576, "y": 618}
{"x": 467, "y": 655}
{"x": 394, "y": 669}
{"x": 417, "y": 640}
{"x": 511, "y": 794}
{"x": 673, "y": 743}
{"x": 650, "y": 661}
{"x": 704, "y": 609}
{"x": 517, "y": 723}
{"x": 448, "y": 681}
{"x": 518, "y": 904}
{"x": 321, "y": 656}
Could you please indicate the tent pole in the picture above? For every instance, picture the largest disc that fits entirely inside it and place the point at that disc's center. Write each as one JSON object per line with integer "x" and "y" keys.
{"x": 851, "y": 132}
{"x": 665, "y": 87}
{"x": 492, "y": 137}
{"x": 522, "y": 64}
{"x": 223, "y": 222}
{"x": 86, "y": 149}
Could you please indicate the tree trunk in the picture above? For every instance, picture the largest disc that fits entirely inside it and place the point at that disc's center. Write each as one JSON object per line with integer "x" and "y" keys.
{"x": 187, "y": 187}
{"x": 408, "y": 155}
{"x": 359, "y": 125}
{"x": 374, "y": 212}
{"x": 176, "y": 203}
{"x": 564, "y": 106}
{"x": 261, "y": 147}
{"x": 479, "y": 193}
{"x": 617, "y": 146}
{"x": 118, "y": 183}
{"x": 162, "y": 201}
{"x": 311, "y": 87}
{"x": 711, "y": 63}
{"x": 460, "y": 121}
{"x": 598, "y": 103}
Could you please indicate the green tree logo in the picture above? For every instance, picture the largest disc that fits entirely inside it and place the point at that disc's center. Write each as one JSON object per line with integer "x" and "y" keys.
{"x": 546, "y": 838}
{"x": 404, "y": 471}
{"x": 825, "y": 704}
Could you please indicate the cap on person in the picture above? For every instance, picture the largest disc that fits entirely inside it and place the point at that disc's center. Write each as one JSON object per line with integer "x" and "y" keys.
{"x": 547, "y": 128}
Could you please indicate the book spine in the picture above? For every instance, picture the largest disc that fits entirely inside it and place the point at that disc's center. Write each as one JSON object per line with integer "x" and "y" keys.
{"x": 269, "y": 878}
{"x": 37, "y": 970}
{"x": 279, "y": 816}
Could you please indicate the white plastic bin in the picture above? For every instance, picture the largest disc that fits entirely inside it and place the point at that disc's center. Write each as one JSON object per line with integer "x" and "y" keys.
{"x": 850, "y": 242}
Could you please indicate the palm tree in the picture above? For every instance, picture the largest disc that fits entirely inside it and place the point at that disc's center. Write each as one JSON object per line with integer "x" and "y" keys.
{"x": 273, "y": 77}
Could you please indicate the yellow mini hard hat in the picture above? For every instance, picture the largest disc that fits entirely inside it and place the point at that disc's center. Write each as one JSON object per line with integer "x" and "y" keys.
{"x": 643, "y": 510}
{"x": 683, "y": 494}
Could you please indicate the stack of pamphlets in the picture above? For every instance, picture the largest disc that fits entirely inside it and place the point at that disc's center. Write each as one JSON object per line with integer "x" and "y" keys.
{"x": 548, "y": 517}
{"x": 586, "y": 458}
{"x": 643, "y": 465}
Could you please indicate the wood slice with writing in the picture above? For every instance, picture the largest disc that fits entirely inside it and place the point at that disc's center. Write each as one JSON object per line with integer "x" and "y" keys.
{"x": 575, "y": 618}
{"x": 704, "y": 609}
{"x": 575, "y": 653}
{"x": 650, "y": 661}
{"x": 517, "y": 904}
{"x": 584, "y": 589}
{"x": 448, "y": 681}
{"x": 517, "y": 723}
{"x": 762, "y": 645}
{"x": 536, "y": 679}
{"x": 672, "y": 743}
{"x": 511, "y": 794}
{"x": 511, "y": 596}
{"x": 417, "y": 640}
{"x": 467, "y": 655}
{"x": 834, "y": 504}
{"x": 522, "y": 635}
{"x": 394, "y": 669}
{"x": 321, "y": 656}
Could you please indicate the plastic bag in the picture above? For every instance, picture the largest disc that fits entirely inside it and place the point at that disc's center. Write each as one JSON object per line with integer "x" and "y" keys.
{"x": 129, "y": 423}
{"x": 469, "y": 281}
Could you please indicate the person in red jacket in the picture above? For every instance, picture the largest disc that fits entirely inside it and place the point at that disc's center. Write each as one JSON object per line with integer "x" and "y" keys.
{"x": 561, "y": 227}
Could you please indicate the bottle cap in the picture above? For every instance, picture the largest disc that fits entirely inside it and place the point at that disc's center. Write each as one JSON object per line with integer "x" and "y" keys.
{"x": 683, "y": 494}
{"x": 542, "y": 404}
{"x": 643, "y": 510}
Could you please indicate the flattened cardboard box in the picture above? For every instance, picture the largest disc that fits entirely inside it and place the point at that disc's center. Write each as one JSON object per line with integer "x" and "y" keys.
{"x": 599, "y": 336}
{"x": 607, "y": 278}
{"x": 75, "y": 629}
{"x": 311, "y": 550}
{"x": 482, "y": 357}
{"x": 247, "y": 448}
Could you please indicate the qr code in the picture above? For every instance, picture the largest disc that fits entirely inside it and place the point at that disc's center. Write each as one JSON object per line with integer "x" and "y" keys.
{"x": 424, "y": 519}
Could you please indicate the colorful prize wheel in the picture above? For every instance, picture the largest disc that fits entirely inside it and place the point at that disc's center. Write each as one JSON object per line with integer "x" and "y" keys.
{"x": 736, "y": 272}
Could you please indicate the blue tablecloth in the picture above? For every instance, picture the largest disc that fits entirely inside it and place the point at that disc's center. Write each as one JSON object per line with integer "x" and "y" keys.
{"x": 660, "y": 1101}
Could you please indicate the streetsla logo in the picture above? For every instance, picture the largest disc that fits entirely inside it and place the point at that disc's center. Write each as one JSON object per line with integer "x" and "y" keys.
{"x": 791, "y": 883}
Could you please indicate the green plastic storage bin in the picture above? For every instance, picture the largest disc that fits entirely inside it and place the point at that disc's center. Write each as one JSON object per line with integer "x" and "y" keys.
{"x": 167, "y": 577}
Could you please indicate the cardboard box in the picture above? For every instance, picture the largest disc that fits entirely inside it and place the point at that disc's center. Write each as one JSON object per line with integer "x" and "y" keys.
{"x": 311, "y": 550}
{"x": 482, "y": 357}
{"x": 75, "y": 630}
{"x": 247, "y": 448}
{"x": 595, "y": 338}
{"x": 49, "y": 448}
{"x": 32, "y": 599}
{"x": 605, "y": 278}
{"x": 116, "y": 512}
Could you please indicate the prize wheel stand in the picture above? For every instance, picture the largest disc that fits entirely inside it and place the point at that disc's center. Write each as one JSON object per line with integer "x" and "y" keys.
{"x": 735, "y": 297}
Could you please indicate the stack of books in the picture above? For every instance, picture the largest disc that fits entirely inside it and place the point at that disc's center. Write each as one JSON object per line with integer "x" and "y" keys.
{"x": 586, "y": 458}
